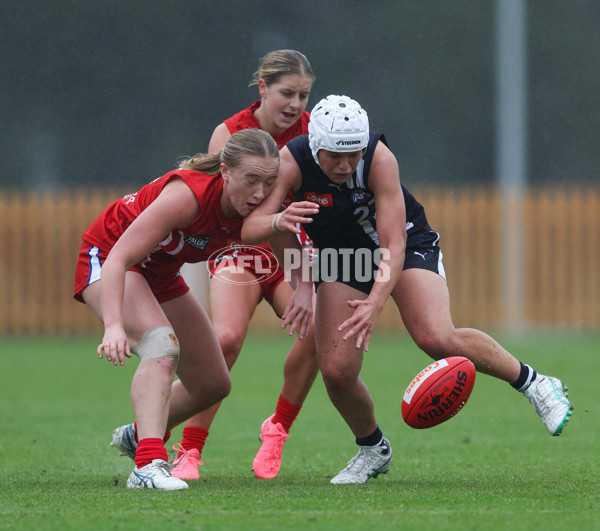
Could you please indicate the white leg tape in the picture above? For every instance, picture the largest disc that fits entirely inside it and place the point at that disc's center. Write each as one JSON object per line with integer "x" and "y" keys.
{"x": 158, "y": 342}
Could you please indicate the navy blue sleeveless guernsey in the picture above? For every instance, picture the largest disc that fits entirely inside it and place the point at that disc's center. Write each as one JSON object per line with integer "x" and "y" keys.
{"x": 346, "y": 217}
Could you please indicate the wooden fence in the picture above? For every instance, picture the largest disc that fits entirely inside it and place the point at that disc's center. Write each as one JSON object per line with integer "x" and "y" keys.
{"x": 561, "y": 232}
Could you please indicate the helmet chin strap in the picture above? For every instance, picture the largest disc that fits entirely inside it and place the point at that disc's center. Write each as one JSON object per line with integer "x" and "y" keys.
{"x": 315, "y": 155}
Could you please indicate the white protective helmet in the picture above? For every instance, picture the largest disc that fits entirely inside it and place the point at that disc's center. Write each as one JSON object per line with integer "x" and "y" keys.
{"x": 338, "y": 124}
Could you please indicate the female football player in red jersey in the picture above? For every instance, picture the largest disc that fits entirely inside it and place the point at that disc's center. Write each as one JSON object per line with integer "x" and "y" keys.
{"x": 372, "y": 241}
{"x": 284, "y": 79}
{"x": 128, "y": 274}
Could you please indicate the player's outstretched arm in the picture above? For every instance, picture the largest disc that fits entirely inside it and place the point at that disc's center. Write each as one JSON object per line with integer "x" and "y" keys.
{"x": 268, "y": 218}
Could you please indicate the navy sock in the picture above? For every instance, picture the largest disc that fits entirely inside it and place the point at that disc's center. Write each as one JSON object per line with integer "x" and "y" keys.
{"x": 375, "y": 439}
{"x": 524, "y": 380}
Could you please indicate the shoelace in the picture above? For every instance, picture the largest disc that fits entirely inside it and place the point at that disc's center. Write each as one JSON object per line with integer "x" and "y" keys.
{"x": 165, "y": 467}
{"x": 176, "y": 461}
{"x": 362, "y": 456}
{"x": 277, "y": 446}
{"x": 542, "y": 405}
{"x": 366, "y": 457}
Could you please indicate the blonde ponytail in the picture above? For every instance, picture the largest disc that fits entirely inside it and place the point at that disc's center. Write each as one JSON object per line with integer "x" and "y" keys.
{"x": 247, "y": 142}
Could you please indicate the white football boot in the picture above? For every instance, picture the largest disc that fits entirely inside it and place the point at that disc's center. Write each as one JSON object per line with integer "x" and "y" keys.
{"x": 368, "y": 463}
{"x": 548, "y": 396}
{"x": 155, "y": 475}
{"x": 123, "y": 439}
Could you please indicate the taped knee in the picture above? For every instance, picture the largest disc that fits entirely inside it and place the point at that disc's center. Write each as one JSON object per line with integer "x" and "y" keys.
{"x": 158, "y": 342}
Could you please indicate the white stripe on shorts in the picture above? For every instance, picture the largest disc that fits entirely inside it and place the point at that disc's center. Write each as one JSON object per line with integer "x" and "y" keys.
{"x": 95, "y": 265}
{"x": 441, "y": 269}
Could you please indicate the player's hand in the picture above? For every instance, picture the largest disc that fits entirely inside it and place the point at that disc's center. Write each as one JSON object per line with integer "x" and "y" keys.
{"x": 361, "y": 322}
{"x": 295, "y": 213}
{"x": 115, "y": 345}
{"x": 298, "y": 313}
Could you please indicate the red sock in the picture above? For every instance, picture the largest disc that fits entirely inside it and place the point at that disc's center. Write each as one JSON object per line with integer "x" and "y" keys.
{"x": 193, "y": 438}
{"x": 166, "y": 438}
{"x": 150, "y": 449}
{"x": 285, "y": 413}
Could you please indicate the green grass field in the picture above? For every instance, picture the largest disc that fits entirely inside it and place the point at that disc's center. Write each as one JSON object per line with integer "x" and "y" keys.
{"x": 493, "y": 466}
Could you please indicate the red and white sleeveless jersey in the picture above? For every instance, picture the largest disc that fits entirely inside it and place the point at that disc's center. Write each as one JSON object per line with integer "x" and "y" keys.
{"x": 210, "y": 232}
{"x": 246, "y": 120}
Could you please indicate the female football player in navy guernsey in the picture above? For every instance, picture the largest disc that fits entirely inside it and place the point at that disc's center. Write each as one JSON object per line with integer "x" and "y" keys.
{"x": 128, "y": 274}
{"x": 284, "y": 79}
{"x": 342, "y": 175}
